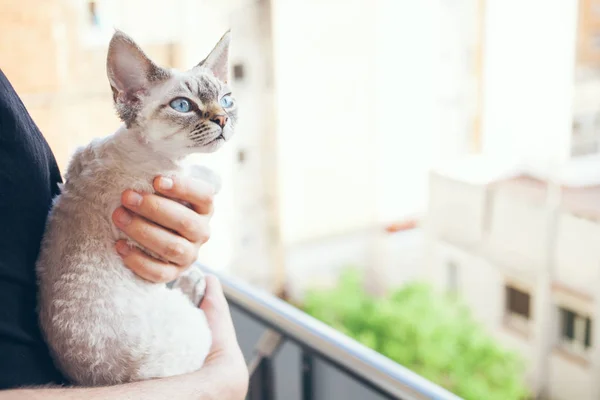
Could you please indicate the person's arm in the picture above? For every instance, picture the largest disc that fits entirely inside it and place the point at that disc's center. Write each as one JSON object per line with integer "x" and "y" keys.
{"x": 195, "y": 386}
{"x": 224, "y": 375}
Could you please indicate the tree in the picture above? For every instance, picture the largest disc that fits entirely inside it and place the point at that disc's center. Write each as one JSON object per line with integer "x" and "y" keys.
{"x": 431, "y": 334}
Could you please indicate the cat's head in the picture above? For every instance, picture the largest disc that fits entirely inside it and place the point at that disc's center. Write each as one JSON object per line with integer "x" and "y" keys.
{"x": 174, "y": 112}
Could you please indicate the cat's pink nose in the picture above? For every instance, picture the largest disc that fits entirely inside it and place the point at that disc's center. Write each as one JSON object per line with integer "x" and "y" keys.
{"x": 220, "y": 120}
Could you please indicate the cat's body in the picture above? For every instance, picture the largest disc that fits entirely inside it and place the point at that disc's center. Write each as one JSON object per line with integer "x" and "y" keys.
{"x": 105, "y": 325}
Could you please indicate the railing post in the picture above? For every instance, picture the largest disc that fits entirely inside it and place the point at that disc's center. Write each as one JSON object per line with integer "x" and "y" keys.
{"x": 307, "y": 375}
{"x": 262, "y": 385}
{"x": 260, "y": 368}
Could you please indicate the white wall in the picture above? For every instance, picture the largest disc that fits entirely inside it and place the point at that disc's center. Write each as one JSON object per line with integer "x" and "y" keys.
{"x": 569, "y": 380}
{"x": 407, "y": 128}
{"x": 456, "y": 209}
{"x": 517, "y": 234}
{"x": 479, "y": 283}
{"x": 359, "y": 126}
{"x": 529, "y": 57}
{"x": 324, "y": 60}
{"x": 578, "y": 253}
{"x": 587, "y": 93}
{"x": 481, "y": 286}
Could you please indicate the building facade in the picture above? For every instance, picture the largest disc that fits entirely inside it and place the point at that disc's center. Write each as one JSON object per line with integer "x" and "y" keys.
{"x": 524, "y": 255}
{"x": 515, "y": 230}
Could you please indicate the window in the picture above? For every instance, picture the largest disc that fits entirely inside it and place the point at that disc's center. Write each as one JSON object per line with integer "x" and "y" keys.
{"x": 241, "y": 156}
{"x": 577, "y": 129}
{"x": 517, "y": 309}
{"x": 238, "y": 72}
{"x": 452, "y": 277}
{"x": 575, "y": 331}
{"x": 517, "y": 302}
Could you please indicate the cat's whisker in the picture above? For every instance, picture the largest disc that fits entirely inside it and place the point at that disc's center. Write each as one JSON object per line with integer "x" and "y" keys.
{"x": 198, "y": 131}
{"x": 199, "y": 138}
{"x": 201, "y": 135}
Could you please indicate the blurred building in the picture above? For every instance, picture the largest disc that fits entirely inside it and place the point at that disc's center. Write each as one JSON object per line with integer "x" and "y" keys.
{"x": 515, "y": 230}
{"x": 524, "y": 256}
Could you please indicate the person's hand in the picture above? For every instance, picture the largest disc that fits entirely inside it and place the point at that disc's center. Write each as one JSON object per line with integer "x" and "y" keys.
{"x": 161, "y": 224}
{"x": 225, "y": 362}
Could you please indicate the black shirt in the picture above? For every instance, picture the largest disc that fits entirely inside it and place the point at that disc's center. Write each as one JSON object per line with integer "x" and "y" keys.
{"x": 29, "y": 180}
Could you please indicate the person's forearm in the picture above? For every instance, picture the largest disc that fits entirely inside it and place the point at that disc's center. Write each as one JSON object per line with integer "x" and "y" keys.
{"x": 201, "y": 385}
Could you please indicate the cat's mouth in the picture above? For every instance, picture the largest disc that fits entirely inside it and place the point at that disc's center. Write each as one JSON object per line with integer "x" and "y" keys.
{"x": 213, "y": 142}
{"x": 216, "y": 140}
{"x": 209, "y": 143}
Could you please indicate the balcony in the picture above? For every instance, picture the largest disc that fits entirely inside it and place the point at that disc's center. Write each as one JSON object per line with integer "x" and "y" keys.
{"x": 293, "y": 356}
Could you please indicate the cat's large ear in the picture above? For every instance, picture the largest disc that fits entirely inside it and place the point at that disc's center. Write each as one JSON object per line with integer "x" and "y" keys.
{"x": 130, "y": 72}
{"x": 218, "y": 59}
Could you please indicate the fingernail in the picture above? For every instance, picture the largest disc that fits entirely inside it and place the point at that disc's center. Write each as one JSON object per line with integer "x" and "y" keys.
{"x": 123, "y": 217}
{"x": 133, "y": 199}
{"x": 165, "y": 183}
{"x": 123, "y": 249}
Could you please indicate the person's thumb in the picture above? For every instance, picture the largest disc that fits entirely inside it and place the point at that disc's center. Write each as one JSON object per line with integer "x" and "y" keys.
{"x": 216, "y": 309}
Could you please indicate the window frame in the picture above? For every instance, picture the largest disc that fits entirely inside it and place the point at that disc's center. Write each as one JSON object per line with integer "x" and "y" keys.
{"x": 514, "y": 319}
{"x": 581, "y": 342}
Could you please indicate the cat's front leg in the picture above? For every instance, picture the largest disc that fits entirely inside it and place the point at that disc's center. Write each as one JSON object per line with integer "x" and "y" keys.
{"x": 192, "y": 283}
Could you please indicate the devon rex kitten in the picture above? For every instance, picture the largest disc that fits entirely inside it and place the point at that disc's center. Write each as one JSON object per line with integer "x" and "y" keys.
{"x": 105, "y": 325}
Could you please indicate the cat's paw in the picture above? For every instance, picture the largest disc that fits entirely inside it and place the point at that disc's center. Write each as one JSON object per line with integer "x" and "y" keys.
{"x": 193, "y": 284}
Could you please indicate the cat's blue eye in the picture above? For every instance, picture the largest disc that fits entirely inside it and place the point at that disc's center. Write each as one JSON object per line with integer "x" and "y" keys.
{"x": 180, "y": 104}
{"x": 226, "y": 101}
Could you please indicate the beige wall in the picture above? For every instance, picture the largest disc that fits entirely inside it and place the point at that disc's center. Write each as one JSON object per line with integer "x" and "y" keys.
{"x": 578, "y": 254}
{"x": 27, "y": 45}
{"x": 324, "y": 116}
{"x": 481, "y": 285}
{"x": 60, "y": 77}
{"x": 457, "y": 210}
{"x": 588, "y": 51}
{"x": 570, "y": 380}
{"x": 518, "y": 231}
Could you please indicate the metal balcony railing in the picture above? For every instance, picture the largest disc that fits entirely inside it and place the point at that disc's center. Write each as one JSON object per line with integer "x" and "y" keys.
{"x": 365, "y": 373}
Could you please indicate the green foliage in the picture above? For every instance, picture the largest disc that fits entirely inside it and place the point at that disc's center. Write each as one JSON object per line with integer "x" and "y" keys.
{"x": 428, "y": 333}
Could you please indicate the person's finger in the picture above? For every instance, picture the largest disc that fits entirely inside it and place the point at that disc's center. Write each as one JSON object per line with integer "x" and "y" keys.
{"x": 198, "y": 193}
{"x": 169, "y": 214}
{"x": 166, "y": 244}
{"x": 146, "y": 267}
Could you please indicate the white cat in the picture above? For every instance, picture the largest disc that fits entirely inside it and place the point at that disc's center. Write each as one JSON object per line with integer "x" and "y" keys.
{"x": 105, "y": 325}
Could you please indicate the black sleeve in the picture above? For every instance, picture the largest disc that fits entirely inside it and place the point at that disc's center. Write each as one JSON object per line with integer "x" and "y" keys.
{"x": 29, "y": 180}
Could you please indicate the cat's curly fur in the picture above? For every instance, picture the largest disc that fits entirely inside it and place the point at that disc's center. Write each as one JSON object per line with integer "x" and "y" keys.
{"x": 104, "y": 325}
